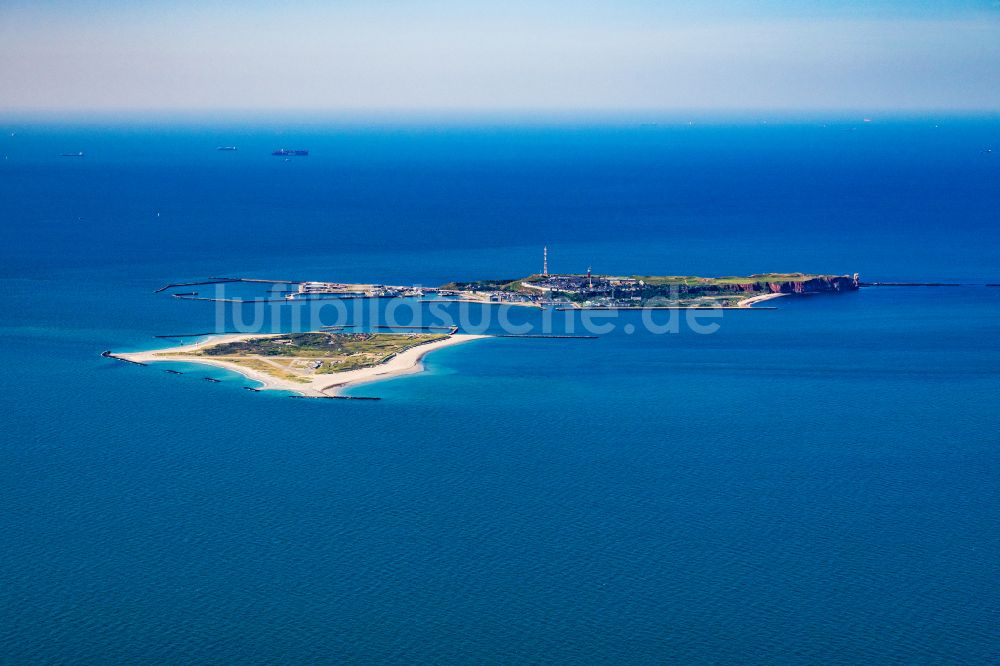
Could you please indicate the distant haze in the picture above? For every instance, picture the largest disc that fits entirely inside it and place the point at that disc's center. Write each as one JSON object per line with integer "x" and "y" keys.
{"x": 495, "y": 56}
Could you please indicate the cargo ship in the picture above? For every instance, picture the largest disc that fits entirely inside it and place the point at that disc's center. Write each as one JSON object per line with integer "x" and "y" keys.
{"x": 285, "y": 152}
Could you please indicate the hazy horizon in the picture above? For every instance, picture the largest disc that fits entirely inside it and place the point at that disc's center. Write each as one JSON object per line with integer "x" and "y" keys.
{"x": 472, "y": 58}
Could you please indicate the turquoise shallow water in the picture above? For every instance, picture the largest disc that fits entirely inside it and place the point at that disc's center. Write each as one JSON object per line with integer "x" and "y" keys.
{"x": 813, "y": 483}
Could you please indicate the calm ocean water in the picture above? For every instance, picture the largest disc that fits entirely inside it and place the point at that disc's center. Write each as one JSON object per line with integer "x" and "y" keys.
{"x": 816, "y": 483}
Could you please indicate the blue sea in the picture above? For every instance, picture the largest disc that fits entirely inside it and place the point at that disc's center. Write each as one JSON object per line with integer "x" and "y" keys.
{"x": 818, "y": 483}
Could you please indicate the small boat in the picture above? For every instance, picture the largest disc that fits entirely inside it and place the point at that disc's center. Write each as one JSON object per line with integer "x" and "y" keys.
{"x": 80, "y": 154}
{"x": 285, "y": 152}
{"x": 227, "y": 148}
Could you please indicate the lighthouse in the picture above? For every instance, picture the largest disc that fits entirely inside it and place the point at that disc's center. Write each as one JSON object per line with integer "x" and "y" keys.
{"x": 545, "y": 261}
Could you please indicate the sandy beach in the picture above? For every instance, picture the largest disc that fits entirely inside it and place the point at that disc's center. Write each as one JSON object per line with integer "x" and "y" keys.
{"x": 317, "y": 386}
{"x": 759, "y": 299}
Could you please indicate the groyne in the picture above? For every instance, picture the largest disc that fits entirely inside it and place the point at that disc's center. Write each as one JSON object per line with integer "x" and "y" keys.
{"x": 558, "y": 337}
{"x": 334, "y": 397}
{"x": 668, "y": 307}
{"x": 197, "y": 335}
{"x": 912, "y": 284}
{"x": 109, "y": 354}
{"x": 224, "y": 280}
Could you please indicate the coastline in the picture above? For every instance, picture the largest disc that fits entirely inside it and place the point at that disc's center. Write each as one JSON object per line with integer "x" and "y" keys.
{"x": 477, "y": 301}
{"x": 316, "y": 386}
{"x": 749, "y": 302}
{"x": 745, "y": 304}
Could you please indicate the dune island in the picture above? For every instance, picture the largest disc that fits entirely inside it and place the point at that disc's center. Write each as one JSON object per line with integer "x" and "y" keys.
{"x": 315, "y": 364}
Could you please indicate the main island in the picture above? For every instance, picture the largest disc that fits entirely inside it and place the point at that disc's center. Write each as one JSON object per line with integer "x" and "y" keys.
{"x": 576, "y": 291}
{"x": 589, "y": 291}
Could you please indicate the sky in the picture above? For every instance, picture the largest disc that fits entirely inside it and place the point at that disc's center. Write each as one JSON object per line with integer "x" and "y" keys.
{"x": 503, "y": 55}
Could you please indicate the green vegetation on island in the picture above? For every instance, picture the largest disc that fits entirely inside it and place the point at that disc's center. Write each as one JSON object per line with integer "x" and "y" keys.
{"x": 587, "y": 290}
{"x": 288, "y": 356}
{"x": 512, "y": 284}
{"x": 756, "y": 279}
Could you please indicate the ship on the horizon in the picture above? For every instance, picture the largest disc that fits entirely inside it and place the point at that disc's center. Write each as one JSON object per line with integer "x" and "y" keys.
{"x": 285, "y": 152}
